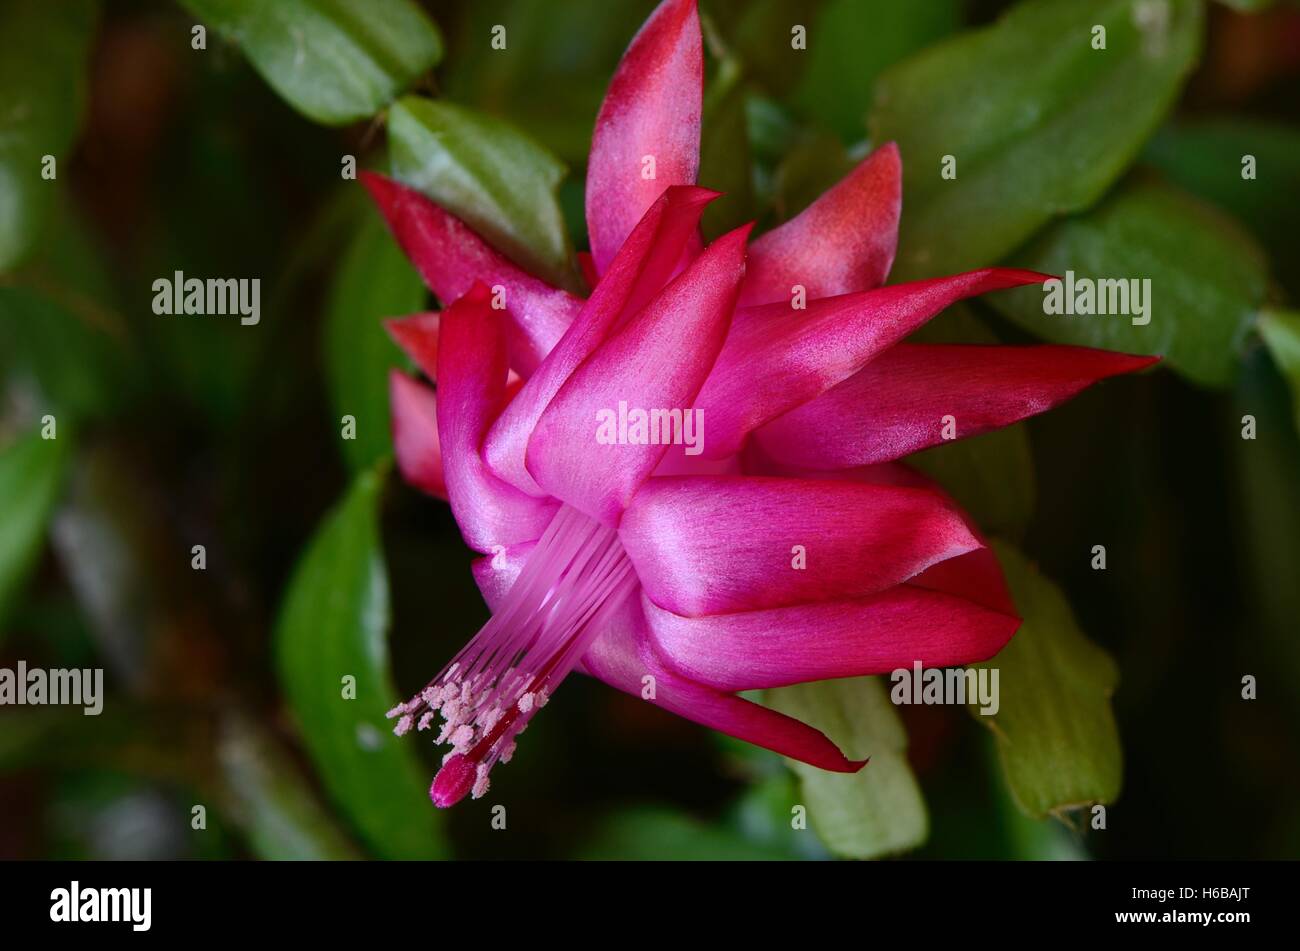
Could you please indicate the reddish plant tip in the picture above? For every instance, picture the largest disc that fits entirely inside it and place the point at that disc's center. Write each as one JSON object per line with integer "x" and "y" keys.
{"x": 453, "y": 782}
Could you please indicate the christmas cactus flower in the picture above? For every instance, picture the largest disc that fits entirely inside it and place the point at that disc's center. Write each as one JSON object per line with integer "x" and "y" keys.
{"x": 686, "y": 484}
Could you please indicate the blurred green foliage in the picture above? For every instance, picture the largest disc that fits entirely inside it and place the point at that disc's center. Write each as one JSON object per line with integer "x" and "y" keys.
{"x": 227, "y": 684}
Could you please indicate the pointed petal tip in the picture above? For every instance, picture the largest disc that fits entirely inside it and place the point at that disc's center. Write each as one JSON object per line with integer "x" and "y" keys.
{"x": 416, "y": 335}
{"x": 380, "y": 186}
{"x": 845, "y": 765}
{"x": 736, "y": 239}
{"x": 698, "y": 193}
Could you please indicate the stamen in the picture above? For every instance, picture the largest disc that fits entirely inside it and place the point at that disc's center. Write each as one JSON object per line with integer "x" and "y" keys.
{"x": 575, "y": 579}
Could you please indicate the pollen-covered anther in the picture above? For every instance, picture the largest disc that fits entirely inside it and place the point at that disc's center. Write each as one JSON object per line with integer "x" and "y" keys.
{"x": 575, "y": 578}
{"x": 462, "y": 737}
{"x": 404, "y": 725}
{"x": 481, "y": 782}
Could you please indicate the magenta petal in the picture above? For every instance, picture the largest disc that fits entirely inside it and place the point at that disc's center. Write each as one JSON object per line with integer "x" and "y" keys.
{"x": 414, "y": 410}
{"x": 874, "y": 635}
{"x": 651, "y": 113}
{"x": 842, "y": 243}
{"x": 896, "y": 404}
{"x": 624, "y": 658}
{"x": 777, "y": 357}
{"x": 639, "y": 271}
{"x": 417, "y": 335}
{"x": 471, "y": 391}
{"x": 712, "y": 545}
{"x": 496, "y": 573}
{"x": 451, "y": 257}
{"x": 975, "y": 576}
{"x": 658, "y": 360}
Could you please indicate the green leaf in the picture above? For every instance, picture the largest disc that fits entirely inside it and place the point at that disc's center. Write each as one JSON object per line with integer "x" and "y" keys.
{"x": 878, "y": 810}
{"x": 764, "y": 815}
{"x": 334, "y": 61}
{"x": 1038, "y": 122}
{"x": 70, "y": 364}
{"x": 332, "y": 626}
{"x": 1208, "y": 158}
{"x": 1208, "y": 279}
{"x": 31, "y": 474}
{"x": 1281, "y": 332}
{"x": 992, "y": 476}
{"x": 43, "y": 53}
{"x": 651, "y": 834}
{"x": 541, "y": 39}
{"x": 816, "y": 163}
{"x": 760, "y": 34}
{"x": 1266, "y": 522}
{"x": 724, "y": 153}
{"x": 374, "y": 281}
{"x": 487, "y": 172}
{"x": 271, "y": 801}
{"x": 852, "y": 42}
{"x": 1055, "y": 730}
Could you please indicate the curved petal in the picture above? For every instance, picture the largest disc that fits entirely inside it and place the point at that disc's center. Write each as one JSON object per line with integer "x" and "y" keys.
{"x": 451, "y": 257}
{"x": 647, "y": 134}
{"x": 896, "y": 404}
{"x": 642, "y": 266}
{"x": 657, "y": 361}
{"x": 417, "y": 335}
{"x": 713, "y": 545}
{"x": 471, "y": 390}
{"x": 624, "y": 658}
{"x": 496, "y": 573}
{"x": 777, "y": 357}
{"x": 975, "y": 576}
{"x": 414, "y": 410}
{"x": 842, "y": 243}
{"x": 874, "y": 635}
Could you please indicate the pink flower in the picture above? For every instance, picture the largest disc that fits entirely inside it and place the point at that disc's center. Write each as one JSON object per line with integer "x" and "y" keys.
{"x": 792, "y": 548}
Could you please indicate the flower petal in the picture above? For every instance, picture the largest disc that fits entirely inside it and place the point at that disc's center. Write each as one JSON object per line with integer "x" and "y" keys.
{"x": 450, "y": 257}
{"x": 753, "y": 650}
{"x": 896, "y": 404}
{"x": 624, "y": 658}
{"x": 471, "y": 391}
{"x": 975, "y": 576}
{"x": 495, "y": 574}
{"x": 658, "y": 360}
{"x": 417, "y": 335}
{"x": 777, "y": 357}
{"x": 842, "y": 243}
{"x": 717, "y": 544}
{"x": 651, "y": 113}
{"x": 639, "y": 271}
{"x": 414, "y": 410}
